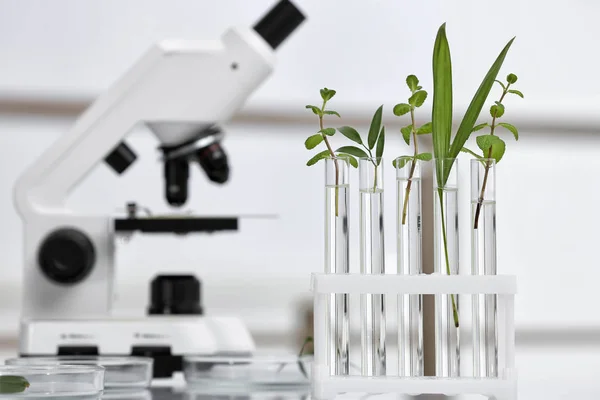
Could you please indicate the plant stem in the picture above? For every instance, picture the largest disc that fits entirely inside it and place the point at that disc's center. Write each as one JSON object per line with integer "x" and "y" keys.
{"x": 412, "y": 168}
{"x": 335, "y": 161}
{"x": 454, "y": 308}
{"x": 487, "y": 166}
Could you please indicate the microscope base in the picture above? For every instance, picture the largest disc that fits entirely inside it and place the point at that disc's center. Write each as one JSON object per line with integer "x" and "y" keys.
{"x": 165, "y": 338}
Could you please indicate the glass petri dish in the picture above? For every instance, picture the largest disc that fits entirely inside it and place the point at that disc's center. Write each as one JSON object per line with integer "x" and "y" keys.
{"x": 84, "y": 382}
{"x": 121, "y": 373}
{"x": 258, "y": 371}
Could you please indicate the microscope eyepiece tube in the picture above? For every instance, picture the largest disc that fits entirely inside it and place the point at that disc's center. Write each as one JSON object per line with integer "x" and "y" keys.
{"x": 177, "y": 172}
{"x": 279, "y": 23}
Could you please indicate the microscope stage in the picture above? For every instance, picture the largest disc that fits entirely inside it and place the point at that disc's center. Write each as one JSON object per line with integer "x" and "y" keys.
{"x": 176, "y": 224}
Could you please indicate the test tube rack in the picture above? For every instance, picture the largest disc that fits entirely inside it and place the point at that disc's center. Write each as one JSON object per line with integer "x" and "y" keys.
{"x": 326, "y": 386}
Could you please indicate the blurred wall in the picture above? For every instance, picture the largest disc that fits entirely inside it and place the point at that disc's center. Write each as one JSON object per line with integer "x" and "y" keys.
{"x": 58, "y": 56}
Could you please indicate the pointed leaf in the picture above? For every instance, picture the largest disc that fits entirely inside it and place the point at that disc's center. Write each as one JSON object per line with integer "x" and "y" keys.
{"x": 353, "y": 161}
{"x": 412, "y": 82}
{"x": 418, "y": 98}
{"x": 313, "y": 141}
{"x": 350, "y": 133}
{"x": 13, "y": 384}
{"x": 474, "y": 109}
{"x": 328, "y": 131}
{"x": 316, "y": 110}
{"x": 375, "y": 127}
{"x": 401, "y": 109}
{"x": 501, "y": 84}
{"x": 406, "y": 131}
{"x": 331, "y": 112}
{"x": 424, "y": 129}
{"x": 400, "y": 162}
{"x": 442, "y": 100}
{"x": 479, "y": 127}
{"x": 353, "y": 150}
{"x": 518, "y": 93}
{"x": 327, "y": 94}
{"x": 471, "y": 152}
{"x": 318, "y": 157}
{"x": 380, "y": 145}
{"x": 498, "y": 149}
{"x": 511, "y": 128}
{"x": 424, "y": 156}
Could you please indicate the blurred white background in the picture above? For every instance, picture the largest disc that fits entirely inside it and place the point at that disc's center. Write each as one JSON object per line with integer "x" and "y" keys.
{"x": 57, "y": 56}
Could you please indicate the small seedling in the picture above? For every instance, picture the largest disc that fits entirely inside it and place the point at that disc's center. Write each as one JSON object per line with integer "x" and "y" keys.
{"x": 13, "y": 384}
{"x": 416, "y": 100}
{"x": 491, "y": 146}
{"x": 375, "y": 141}
{"x": 322, "y": 137}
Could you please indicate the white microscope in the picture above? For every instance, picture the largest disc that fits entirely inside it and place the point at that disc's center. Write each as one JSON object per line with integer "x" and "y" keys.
{"x": 181, "y": 90}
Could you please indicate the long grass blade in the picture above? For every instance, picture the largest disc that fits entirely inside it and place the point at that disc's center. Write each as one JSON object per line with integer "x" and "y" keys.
{"x": 442, "y": 99}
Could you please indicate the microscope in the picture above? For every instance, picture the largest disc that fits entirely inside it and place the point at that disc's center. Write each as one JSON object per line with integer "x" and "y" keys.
{"x": 181, "y": 91}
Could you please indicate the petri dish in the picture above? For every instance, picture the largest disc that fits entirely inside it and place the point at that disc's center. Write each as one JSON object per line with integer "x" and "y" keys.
{"x": 121, "y": 373}
{"x": 258, "y": 371}
{"x": 84, "y": 382}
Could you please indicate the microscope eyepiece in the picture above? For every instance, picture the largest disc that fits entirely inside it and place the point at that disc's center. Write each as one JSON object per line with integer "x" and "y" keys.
{"x": 279, "y": 23}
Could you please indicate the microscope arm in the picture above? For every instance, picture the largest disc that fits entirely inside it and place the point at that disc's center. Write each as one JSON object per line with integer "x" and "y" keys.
{"x": 178, "y": 87}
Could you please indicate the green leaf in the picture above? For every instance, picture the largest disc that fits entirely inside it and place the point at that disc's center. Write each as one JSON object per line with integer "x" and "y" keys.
{"x": 424, "y": 156}
{"x": 406, "y": 131}
{"x": 328, "y": 131}
{"x": 401, "y": 109}
{"x": 418, "y": 98}
{"x": 501, "y": 84}
{"x": 327, "y": 94}
{"x": 13, "y": 384}
{"x": 353, "y": 150}
{"x": 353, "y": 161}
{"x": 380, "y": 145}
{"x": 412, "y": 82}
{"x": 400, "y": 162}
{"x": 511, "y": 128}
{"x": 442, "y": 99}
{"x": 313, "y": 141}
{"x": 497, "y": 110}
{"x": 518, "y": 93}
{"x": 350, "y": 133}
{"x": 479, "y": 127}
{"x": 511, "y": 78}
{"x": 486, "y": 141}
{"x": 318, "y": 157}
{"x": 424, "y": 129}
{"x": 331, "y": 112}
{"x": 375, "y": 127}
{"x": 419, "y": 87}
{"x": 316, "y": 110}
{"x": 471, "y": 152}
{"x": 475, "y": 107}
{"x": 498, "y": 149}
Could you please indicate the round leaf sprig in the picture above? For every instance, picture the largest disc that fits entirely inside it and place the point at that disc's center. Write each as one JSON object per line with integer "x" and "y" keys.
{"x": 492, "y": 146}
{"x": 416, "y": 100}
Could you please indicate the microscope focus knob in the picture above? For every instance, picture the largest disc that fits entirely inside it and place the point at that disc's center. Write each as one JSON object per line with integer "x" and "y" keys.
{"x": 66, "y": 256}
{"x": 175, "y": 295}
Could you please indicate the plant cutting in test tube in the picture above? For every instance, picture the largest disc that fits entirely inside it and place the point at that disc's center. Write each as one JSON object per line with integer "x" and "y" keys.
{"x": 322, "y": 137}
{"x": 417, "y": 98}
{"x": 444, "y": 146}
{"x": 491, "y": 145}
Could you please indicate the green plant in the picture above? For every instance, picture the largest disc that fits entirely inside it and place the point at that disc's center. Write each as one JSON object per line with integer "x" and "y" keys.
{"x": 491, "y": 145}
{"x": 375, "y": 141}
{"x": 417, "y": 98}
{"x": 13, "y": 384}
{"x": 444, "y": 147}
{"x": 322, "y": 137}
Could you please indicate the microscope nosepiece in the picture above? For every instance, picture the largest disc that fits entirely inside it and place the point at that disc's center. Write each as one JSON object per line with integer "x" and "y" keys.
{"x": 279, "y": 23}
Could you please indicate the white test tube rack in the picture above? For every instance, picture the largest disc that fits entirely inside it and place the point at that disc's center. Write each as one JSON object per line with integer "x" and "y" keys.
{"x": 326, "y": 386}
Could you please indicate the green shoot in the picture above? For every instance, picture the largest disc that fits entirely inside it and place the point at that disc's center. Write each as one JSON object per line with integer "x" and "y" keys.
{"x": 417, "y": 98}
{"x": 13, "y": 384}
{"x": 491, "y": 145}
{"x": 322, "y": 137}
{"x": 375, "y": 141}
{"x": 444, "y": 147}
